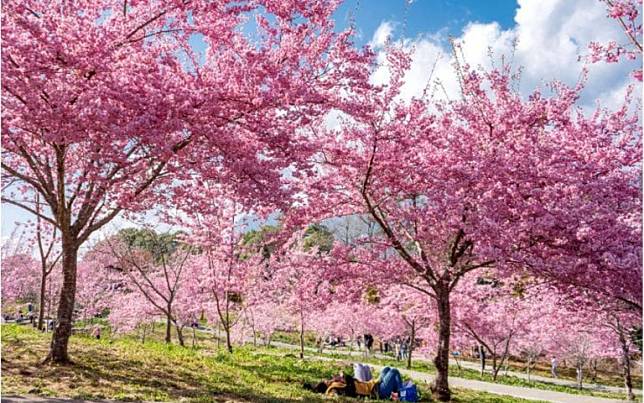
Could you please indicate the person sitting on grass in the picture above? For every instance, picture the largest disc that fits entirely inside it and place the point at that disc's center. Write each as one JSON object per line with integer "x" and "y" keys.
{"x": 389, "y": 382}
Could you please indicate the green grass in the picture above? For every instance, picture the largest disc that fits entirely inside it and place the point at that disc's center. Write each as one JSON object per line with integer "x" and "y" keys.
{"x": 125, "y": 369}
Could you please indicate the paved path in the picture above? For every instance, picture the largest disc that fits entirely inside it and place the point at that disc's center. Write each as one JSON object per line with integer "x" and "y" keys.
{"x": 558, "y": 381}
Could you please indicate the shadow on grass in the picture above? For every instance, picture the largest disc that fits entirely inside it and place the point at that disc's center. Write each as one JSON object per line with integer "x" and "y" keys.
{"x": 125, "y": 370}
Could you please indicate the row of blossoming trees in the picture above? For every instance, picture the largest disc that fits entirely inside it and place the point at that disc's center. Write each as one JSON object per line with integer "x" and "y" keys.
{"x": 482, "y": 209}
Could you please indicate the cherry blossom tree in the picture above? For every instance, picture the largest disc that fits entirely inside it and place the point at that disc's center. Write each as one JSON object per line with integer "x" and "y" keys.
{"x": 129, "y": 311}
{"x": 158, "y": 278}
{"x": 410, "y": 307}
{"x": 494, "y": 315}
{"x": 303, "y": 289}
{"x": 20, "y": 277}
{"x": 493, "y": 179}
{"x": 627, "y": 14}
{"x": 266, "y": 318}
{"x": 550, "y": 319}
{"x": 620, "y": 323}
{"x": 105, "y": 103}
{"x": 19, "y": 271}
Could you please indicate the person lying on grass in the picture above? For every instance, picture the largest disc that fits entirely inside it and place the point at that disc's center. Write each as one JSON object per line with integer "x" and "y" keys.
{"x": 389, "y": 381}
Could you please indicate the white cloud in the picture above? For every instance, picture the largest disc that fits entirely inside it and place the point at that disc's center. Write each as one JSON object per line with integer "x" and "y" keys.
{"x": 551, "y": 37}
{"x": 382, "y": 34}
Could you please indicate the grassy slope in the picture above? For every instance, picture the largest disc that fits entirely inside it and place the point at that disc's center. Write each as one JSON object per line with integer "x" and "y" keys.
{"x": 125, "y": 369}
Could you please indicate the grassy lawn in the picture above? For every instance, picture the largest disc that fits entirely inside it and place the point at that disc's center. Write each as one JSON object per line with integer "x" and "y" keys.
{"x": 124, "y": 369}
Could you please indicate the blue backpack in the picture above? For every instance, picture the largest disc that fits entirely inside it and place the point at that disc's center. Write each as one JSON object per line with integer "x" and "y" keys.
{"x": 409, "y": 393}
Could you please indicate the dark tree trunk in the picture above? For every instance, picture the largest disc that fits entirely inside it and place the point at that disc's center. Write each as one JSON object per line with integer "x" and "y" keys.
{"x": 580, "y": 377}
{"x": 63, "y": 330}
{"x": 179, "y": 335}
{"x": 626, "y": 364}
{"x": 41, "y": 305}
{"x": 440, "y": 388}
{"x": 168, "y": 329}
{"x": 410, "y": 348}
{"x": 229, "y": 344}
{"x": 495, "y": 368}
{"x": 301, "y": 336}
{"x": 593, "y": 370}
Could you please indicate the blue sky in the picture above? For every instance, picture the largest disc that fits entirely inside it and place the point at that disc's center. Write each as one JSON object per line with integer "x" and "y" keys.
{"x": 423, "y": 16}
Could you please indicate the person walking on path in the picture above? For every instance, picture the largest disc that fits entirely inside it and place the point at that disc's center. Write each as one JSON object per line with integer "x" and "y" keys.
{"x": 553, "y": 366}
{"x": 368, "y": 342}
{"x": 97, "y": 332}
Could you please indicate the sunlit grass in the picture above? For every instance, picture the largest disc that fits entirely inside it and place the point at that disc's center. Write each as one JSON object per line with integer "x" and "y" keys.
{"x": 125, "y": 369}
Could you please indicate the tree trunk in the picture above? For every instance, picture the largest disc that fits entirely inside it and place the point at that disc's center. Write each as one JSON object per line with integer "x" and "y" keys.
{"x": 580, "y": 377}
{"x": 168, "y": 329}
{"x": 229, "y": 344}
{"x": 180, "y": 335}
{"x": 529, "y": 368}
{"x": 41, "y": 305}
{"x": 301, "y": 336}
{"x": 410, "y": 348}
{"x": 506, "y": 352}
{"x": 495, "y": 367}
{"x": 145, "y": 327}
{"x": 626, "y": 363}
{"x": 440, "y": 388}
{"x": 49, "y": 300}
{"x": 64, "y": 318}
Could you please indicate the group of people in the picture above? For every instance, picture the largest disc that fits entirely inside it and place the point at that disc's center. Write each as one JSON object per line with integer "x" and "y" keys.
{"x": 22, "y": 317}
{"x": 388, "y": 385}
{"x": 49, "y": 324}
{"x": 335, "y": 341}
{"x": 401, "y": 347}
